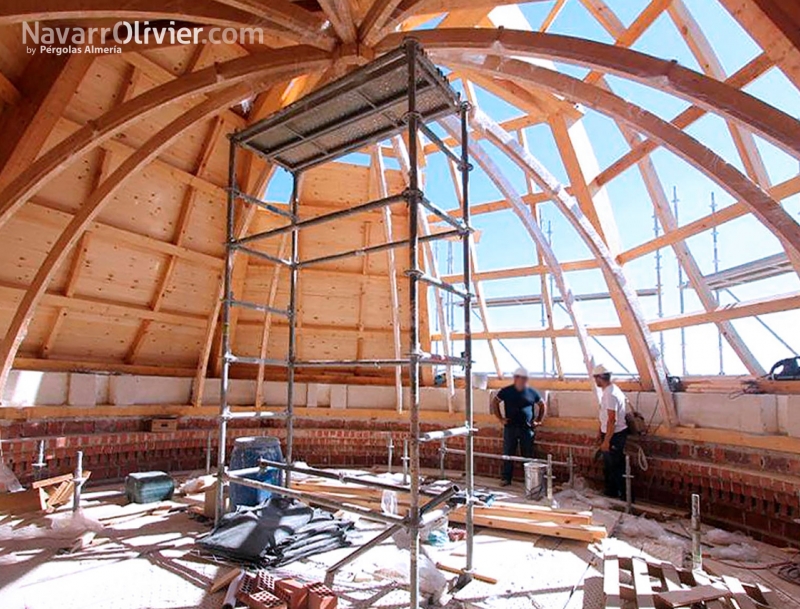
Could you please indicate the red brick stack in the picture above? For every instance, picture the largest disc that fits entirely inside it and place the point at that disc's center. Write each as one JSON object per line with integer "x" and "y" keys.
{"x": 262, "y": 591}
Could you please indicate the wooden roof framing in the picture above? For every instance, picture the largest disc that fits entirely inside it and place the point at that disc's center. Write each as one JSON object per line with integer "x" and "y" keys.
{"x": 45, "y": 143}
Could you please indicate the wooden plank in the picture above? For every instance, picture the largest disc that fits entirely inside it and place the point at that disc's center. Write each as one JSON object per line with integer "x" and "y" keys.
{"x": 641, "y": 582}
{"x": 686, "y": 598}
{"x": 20, "y": 502}
{"x": 739, "y": 594}
{"x": 611, "y": 587}
{"x": 669, "y": 574}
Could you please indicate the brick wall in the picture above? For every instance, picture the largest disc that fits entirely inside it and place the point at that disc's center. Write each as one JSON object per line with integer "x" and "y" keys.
{"x": 750, "y": 490}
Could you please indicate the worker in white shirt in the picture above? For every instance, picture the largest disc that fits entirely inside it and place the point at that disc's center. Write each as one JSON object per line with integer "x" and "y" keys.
{"x": 613, "y": 432}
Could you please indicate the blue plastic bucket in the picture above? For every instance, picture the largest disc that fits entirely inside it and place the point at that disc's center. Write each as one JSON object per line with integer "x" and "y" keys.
{"x": 246, "y": 453}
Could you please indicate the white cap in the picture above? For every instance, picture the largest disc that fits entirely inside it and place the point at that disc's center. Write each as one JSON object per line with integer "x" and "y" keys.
{"x": 521, "y": 372}
{"x": 600, "y": 369}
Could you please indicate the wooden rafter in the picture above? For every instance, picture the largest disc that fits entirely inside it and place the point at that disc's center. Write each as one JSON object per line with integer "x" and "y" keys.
{"x": 773, "y": 29}
{"x": 340, "y": 14}
{"x": 379, "y": 173}
{"x": 477, "y": 289}
{"x": 744, "y": 76}
{"x": 743, "y": 139}
{"x": 544, "y": 289}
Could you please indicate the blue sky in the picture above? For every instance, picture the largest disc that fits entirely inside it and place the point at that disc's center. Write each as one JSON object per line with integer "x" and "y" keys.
{"x": 504, "y": 243}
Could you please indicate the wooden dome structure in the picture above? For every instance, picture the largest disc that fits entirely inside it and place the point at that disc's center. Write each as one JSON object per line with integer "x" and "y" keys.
{"x": 114, "y": 160}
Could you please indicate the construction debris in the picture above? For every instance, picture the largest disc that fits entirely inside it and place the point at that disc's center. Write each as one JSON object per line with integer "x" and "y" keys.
{"x": 672, "y": 588}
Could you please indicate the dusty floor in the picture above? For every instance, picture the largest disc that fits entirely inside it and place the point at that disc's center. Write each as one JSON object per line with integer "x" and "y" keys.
{"x": 144, "y": 557}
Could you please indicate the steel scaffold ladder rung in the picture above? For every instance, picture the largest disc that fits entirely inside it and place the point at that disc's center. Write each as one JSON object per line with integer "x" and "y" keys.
{"x": 262, "y": 204}
{"x": 438, "y": 283}
{"x": 378, "y": 248}
{"x": 264, "y": 256}
{"x": 259, "y": 307}
{"x": 322, "y": 219}
{"x": 429, "y": 133}
{"x": 456, "y": 223}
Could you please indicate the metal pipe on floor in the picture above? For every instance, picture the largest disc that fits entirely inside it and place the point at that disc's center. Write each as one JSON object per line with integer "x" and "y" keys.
{"x": 458, "y": 451}
{"x": 549, "y": 477}
{"x": 697, "y": 552}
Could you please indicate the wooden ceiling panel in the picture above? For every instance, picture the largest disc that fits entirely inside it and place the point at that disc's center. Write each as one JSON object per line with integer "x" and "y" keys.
{"x": 192, "y": 289}
{"x": 26, "y": 239}
{"x": 170, "y": 345}
{"x": 115, "y": 272}
{"x": 93, "y": 338}
{"x": 149, "y": 204}
{"x": 97, "y": 93}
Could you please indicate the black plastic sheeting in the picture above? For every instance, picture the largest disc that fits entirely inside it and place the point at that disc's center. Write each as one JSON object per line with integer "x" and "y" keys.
{"x": 276, "y": 533}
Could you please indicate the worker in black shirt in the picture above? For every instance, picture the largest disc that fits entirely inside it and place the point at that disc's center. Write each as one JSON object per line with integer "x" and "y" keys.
{"x": 519, "y": 418}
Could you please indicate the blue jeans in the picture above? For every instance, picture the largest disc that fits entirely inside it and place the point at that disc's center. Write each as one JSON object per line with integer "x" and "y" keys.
{"x": 614, "y": 465}
{"x": 514, "y": 435}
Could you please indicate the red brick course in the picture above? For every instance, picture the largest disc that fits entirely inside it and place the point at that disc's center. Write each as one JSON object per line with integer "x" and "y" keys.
{"x": 748, "y": 489}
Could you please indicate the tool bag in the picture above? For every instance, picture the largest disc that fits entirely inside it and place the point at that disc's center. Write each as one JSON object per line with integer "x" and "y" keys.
{"x": 637, "y": 426}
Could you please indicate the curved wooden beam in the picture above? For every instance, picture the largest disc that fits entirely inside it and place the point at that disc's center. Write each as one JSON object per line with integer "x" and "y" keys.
{"x": 618, "y": 283}
{"x": 761, "y": 205}
{"x": 96, "y": 203}
{"x": 523, "y": 212}
{"x": 292, "y": 61}
{"x": 712, "y": 95}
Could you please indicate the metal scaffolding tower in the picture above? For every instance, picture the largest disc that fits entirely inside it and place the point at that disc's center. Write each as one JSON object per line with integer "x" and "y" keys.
{"x": 400, "y": 92}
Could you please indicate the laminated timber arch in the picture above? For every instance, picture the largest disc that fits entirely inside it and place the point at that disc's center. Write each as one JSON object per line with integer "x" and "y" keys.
{"x": 776, "y": 126}
{"x": 761, "y": 204}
